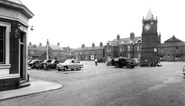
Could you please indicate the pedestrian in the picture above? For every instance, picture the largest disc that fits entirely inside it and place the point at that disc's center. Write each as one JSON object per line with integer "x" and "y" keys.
{"x": 96, "y": 63}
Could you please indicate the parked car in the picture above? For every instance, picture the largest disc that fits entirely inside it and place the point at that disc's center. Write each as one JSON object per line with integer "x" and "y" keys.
{"x": 34, "y": 63}
{"x": 69, "y": 64}
{"x": 101, "y": 61}
{"x": 108, "y": 62}
{"x": 121, "y": 62}
{"x": 136, "y": 61}
{"x": 52, "y": 64}
{"x": 45, "y": 63}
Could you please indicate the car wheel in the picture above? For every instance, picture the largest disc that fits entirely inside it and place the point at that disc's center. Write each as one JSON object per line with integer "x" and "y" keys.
{"x": 117, "y": 65}
{"x": 128, "y": 66}
{"x": 65, "y": 68}
{"x": 79, "y": 68}
{"x": 59, "y": 69}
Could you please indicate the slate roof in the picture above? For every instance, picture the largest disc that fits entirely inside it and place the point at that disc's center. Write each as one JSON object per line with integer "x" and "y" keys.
{"x": 38, "y": 53}
{"x": 176, "y": 44}
{"x": 117, "y": 42}
{"x": 56, "y": 47}
{"x": 91, "y": 48}
{"x": 32, "y": 47}
{"x": 173, "y": 39}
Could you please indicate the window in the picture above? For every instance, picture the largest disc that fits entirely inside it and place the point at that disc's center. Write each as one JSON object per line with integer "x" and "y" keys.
{"x": 123, "y": 48}
{"x": 138, "y": 48}
{"x": 120, "y": 49}
{"x": 2, "y": 45}
{"x": 31, "y": 52}
{"x": 109, "y": 49}
{"x": 128, "y": 47}
{"x": 161, "y": 49}
{"x": 129, "y": 55}
{"x": 99, "y": 51}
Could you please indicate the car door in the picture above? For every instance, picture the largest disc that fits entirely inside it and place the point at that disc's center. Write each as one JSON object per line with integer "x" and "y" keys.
{"x": 71, "y": 64}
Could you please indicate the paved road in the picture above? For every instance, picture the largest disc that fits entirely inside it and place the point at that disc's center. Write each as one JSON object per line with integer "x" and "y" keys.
{"x": 108, "y": 86}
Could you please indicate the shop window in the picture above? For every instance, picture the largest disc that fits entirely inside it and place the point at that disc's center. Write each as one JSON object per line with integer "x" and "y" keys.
{"x": 2, "y": 45}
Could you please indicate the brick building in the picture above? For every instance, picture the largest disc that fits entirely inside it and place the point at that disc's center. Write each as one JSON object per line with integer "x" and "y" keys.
{"x": 90, "y": 53}
{"x": 124, "y": 47}
{"x": 37, "y": 52}
{"x": 14, "y": 18}
{"x": 172, "y": 49}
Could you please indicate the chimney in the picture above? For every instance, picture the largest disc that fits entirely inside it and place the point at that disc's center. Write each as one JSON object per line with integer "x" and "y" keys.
{"x": 30, "y": 43}
{"x": 58, "y": 44}
{"x": 132, "y": 35}
{"x": 83, "y": 46}
{"x": 118, "y": 36}
{"x": 101, "y": 44}
{"x": 34, "y": 46}
{"x": 40, "y": 44}
{"x": 93, "y": 45}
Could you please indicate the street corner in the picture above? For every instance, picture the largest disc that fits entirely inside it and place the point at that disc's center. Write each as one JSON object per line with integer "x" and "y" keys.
{"x": 36, "y": 86}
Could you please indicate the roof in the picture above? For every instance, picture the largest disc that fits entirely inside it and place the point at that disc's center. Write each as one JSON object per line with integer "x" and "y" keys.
{"x": 176, "y": 44}
{"x": 149, "y": 15}
{"x": 32, "y": 47}
{"x": 91, "y": 48}
{"x": 67, "y": 48}
{"x": 128, "y": 40}
{"x": 173, "y": 39}
{"x": 56, "y": 47}
{"x": 16, "y": 1}
{"x": 38, "y": 53}
{"x": 18, "y": 4}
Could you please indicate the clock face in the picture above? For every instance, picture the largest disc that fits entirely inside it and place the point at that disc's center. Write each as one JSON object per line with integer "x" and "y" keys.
{"x": 147, "y": 27}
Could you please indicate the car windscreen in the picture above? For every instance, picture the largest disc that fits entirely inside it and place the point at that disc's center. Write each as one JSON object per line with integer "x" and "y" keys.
{"x": 53, "y": 61}
{"x": 67, "y": 61}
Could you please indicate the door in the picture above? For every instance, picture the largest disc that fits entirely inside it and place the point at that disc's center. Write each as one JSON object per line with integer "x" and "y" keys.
{"x": 22, "y": 56}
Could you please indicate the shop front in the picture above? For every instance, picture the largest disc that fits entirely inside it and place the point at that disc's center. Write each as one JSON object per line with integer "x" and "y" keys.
{"x": 14, "y": 26}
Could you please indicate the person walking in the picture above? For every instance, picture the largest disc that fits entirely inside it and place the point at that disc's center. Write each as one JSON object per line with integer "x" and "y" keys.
{"x": 96, "y": 63}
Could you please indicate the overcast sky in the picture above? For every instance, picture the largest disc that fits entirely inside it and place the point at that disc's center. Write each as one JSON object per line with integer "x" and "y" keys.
{"x": 77, "y": 22}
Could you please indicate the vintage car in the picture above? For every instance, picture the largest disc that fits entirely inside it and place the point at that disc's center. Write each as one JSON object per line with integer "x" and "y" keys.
{"x": 34, "y": 63}
{"x": 122, "y": 62}
{"x": 69, "y": 64}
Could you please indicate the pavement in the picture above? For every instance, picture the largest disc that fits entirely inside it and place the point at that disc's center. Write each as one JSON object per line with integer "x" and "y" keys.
{"x": 36, "y": 86}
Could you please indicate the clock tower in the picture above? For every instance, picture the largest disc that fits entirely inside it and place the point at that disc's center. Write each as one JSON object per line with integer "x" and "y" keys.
{"x": 149, "y": 40}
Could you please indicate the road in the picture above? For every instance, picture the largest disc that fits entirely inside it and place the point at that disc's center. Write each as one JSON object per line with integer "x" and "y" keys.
{"x": 108, "y": 86}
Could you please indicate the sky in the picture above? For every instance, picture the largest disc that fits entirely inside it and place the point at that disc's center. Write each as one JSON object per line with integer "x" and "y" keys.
{"x": 76, "y": 22}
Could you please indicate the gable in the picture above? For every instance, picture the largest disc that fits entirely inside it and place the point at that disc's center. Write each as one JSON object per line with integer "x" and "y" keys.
{"x": 172, "y": 40}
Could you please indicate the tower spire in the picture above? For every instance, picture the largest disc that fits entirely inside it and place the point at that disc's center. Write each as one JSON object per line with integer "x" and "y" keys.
{"x": 149, "y": 15}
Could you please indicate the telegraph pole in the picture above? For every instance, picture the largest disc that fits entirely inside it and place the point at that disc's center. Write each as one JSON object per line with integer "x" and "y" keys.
{"x": 47, "y": 55}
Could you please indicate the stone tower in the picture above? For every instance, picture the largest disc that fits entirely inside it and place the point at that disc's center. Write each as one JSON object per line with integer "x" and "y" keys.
{"x": 149, "y": 40}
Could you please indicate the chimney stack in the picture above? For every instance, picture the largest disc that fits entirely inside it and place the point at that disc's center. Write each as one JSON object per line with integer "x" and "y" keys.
{"x": 118, "y": 36}
{"x": 132, "y": 35}
{"x": 40, "y": 44}
{"x": 58, "y": 44}
{"x": 30, "y": 43}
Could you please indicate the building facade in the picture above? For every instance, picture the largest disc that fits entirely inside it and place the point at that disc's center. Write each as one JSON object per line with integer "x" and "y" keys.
{"x": 124, "y": 47}
{"x": 89, "y": 53}
{"x": 14, "y": 18}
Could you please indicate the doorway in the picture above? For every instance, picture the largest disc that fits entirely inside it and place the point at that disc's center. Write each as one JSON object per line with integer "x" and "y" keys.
{"x": 22, "y": 57}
